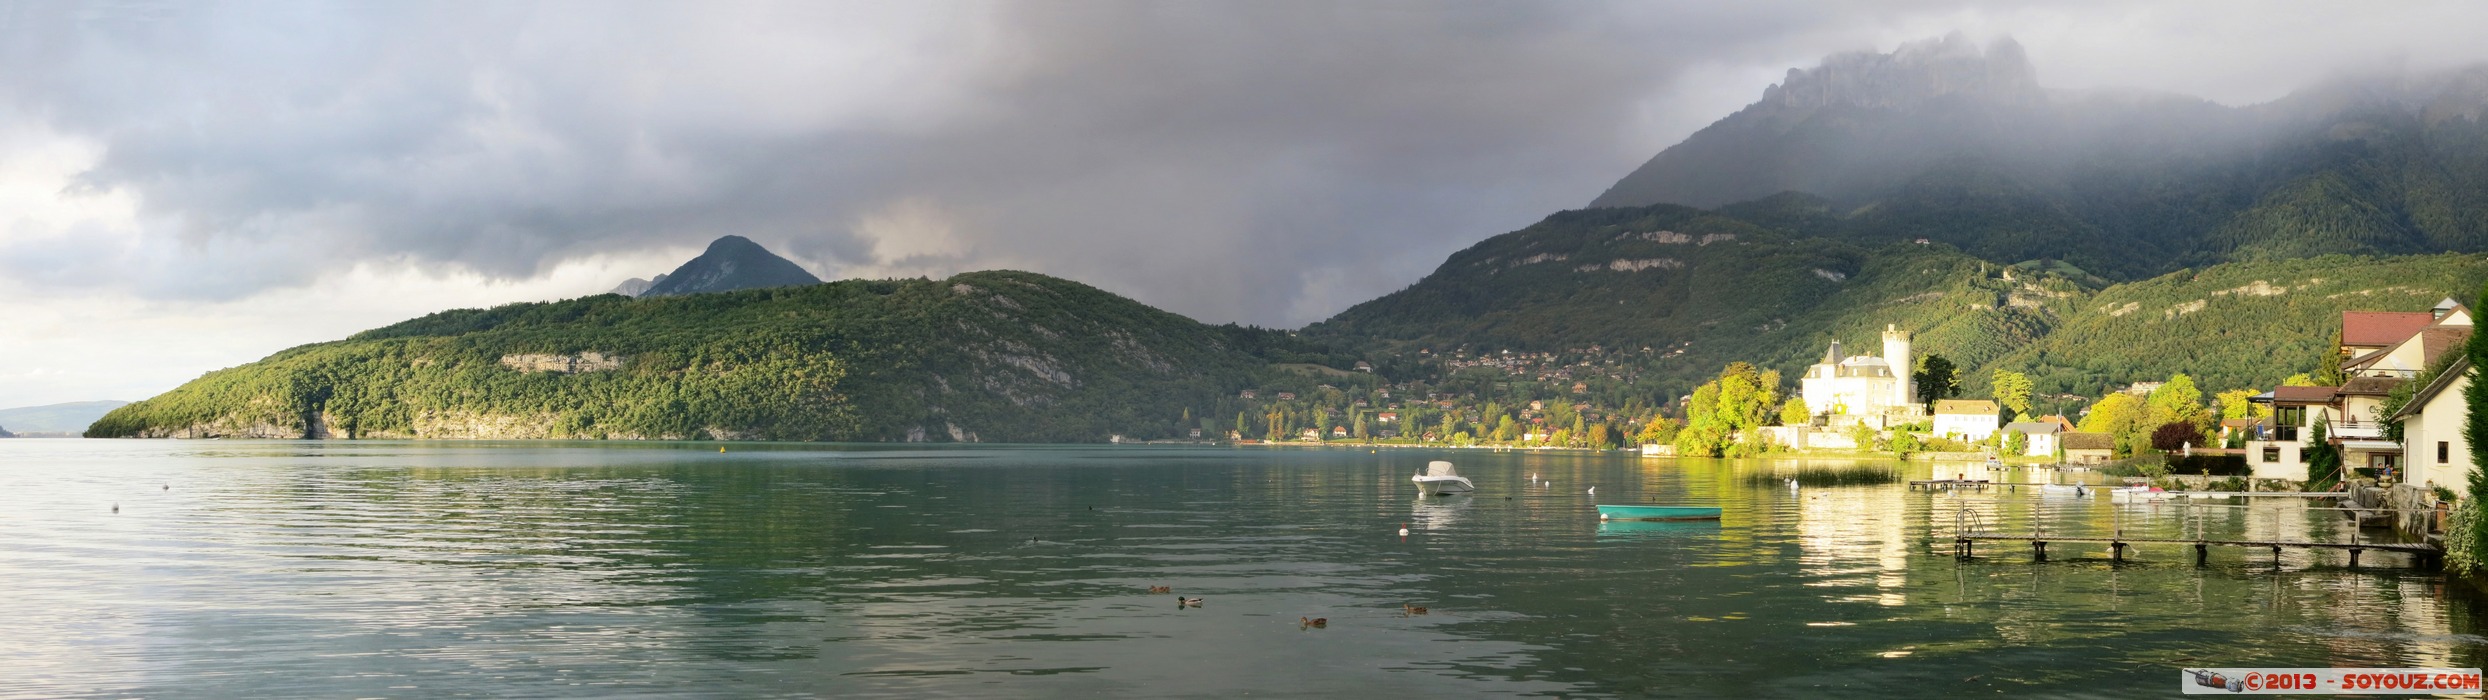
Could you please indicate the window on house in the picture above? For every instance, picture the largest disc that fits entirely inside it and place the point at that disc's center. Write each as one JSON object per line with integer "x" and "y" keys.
{"x": 2441, "y": 451}
{"x": 2271, "y": 454}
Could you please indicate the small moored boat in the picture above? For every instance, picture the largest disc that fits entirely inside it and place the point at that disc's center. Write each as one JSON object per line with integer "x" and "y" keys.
{"x": 1439, "y": 479}
{"x": 1606, "y": 512}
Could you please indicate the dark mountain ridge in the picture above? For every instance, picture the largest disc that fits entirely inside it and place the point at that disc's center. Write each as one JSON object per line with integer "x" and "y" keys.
{"x": 1945, "y": 140}
{"x": 731, "y": 263}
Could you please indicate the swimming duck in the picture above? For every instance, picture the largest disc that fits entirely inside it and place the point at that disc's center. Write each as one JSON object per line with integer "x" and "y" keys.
{"x": 1323, "y": 622}
{"x": 1184, "y": 602}
{"x": 1412, "y": 609}
{"x": 1161, "y": 589}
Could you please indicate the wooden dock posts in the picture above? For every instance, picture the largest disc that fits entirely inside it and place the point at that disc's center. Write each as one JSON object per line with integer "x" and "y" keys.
{"x": 1970, "y": 527}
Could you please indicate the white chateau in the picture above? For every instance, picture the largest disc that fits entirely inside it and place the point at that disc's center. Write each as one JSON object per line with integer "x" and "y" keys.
{"x": 1877, "y": 391}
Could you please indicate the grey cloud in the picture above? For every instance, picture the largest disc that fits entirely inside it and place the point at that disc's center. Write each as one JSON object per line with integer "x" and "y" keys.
{"x": 1263, "y": 162}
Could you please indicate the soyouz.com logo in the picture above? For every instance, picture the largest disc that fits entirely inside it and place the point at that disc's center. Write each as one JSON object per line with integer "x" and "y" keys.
{"x": 2354, "y": 681}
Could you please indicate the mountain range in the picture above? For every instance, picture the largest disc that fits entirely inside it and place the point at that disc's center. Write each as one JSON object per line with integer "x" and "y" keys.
{"x": 2090, "y": 239}
{"x": 1946, "y": 140}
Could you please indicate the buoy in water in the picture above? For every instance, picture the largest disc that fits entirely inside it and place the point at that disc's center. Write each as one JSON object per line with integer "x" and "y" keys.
{"x": 1593, "y": 490}
{"x": 1403, "y": 526}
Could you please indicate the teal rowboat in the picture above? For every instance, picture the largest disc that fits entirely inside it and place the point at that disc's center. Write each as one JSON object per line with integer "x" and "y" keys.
{"x": 1657, "y": 513}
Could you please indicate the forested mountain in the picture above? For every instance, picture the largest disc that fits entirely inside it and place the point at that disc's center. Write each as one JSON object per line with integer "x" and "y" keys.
{"x": 1703, "y": 289}
{"x": 1947, "y": 141}
{"x": 991, "y": 356}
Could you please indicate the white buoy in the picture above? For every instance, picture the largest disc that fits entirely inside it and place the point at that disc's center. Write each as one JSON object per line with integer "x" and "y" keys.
{"x": 1403, "y": 529}
{"x": 1593, "y": 490}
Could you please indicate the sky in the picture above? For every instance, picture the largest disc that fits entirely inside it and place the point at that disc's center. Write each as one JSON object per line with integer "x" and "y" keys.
{"x": 187, "y": 186}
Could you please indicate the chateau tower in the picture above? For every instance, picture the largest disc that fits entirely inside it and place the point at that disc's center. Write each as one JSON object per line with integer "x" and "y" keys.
{"x": 1896, "y": 354}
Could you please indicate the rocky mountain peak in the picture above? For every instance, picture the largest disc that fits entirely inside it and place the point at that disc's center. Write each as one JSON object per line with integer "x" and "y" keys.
{"x": 730, "y": 263}
{"x": 1916, "y": 71}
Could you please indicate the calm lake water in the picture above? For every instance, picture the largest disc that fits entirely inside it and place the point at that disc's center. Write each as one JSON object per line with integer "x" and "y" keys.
{"x": 385, "y": 569}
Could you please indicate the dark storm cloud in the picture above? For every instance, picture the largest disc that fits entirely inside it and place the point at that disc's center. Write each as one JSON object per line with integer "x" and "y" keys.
{"x": 1264, "y": 162}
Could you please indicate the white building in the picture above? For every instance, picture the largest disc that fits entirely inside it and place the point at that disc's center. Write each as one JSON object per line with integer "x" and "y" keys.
{"x": 1966, "y": 419}
{"x": 1863, "y": 388}
{"x": 2432, "y": 424}
{"x": 2042, "y": 437}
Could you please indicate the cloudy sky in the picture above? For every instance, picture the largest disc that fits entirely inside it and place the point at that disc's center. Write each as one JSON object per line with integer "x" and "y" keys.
{"x": 192, "y": 185}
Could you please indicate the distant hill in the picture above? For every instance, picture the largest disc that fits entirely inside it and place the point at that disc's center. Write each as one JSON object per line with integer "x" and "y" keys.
{"x": 1960, "y": 144}
{"x": 635, "y": 286}
{"x": 990, "y": 356}
{"x": 1703, "y": 288}
{"x": 59, "y": 418}
{"x": 731, "y": 263}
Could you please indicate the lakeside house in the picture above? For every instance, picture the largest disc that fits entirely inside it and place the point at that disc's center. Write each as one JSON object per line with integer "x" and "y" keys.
{"x": 2432, "y": 428}
{"x": 1966, "y": 419}
{"x": 2041, "y": 435}
{"x": 2380, "y": 351}
{"x": 2087, "y": 448}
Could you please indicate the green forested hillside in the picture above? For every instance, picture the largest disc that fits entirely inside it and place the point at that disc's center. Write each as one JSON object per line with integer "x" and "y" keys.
{"x": 1776, "y": 299}
{"x": 2234, "y": 325}
{"x": 993, "y": 356}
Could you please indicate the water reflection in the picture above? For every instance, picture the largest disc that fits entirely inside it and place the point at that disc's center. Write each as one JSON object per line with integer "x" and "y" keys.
{"x": 395, "y": 569}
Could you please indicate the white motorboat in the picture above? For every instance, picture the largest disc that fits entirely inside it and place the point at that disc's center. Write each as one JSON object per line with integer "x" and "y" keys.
{"x": 1439, "y": 479}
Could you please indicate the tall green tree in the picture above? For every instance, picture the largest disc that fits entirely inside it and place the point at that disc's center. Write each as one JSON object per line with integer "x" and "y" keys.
{"x": 2475, "y": 430}
{"x": 2177, "y": 401}
{"x": 2323, "y": 460}
{"x": 1936, "y": 378}
{"x": 1795, "y": 413}
{"x": 2012, "y": 389}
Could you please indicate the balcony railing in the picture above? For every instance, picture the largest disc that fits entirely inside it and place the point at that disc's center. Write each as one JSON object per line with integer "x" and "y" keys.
{"x": 2355, "y": 430}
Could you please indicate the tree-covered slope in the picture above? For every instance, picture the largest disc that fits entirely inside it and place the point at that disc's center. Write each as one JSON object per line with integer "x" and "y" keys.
{"x": 992, "y": 356}
{"x": 2235, "y": 325}
{"x": 1702, "y": 289}
{"x": 1755, "y": 294}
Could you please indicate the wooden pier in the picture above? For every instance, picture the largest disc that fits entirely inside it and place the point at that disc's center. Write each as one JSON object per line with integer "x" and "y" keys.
{"x": 2430, "y": 556}
{"x": 1979, "y": 484}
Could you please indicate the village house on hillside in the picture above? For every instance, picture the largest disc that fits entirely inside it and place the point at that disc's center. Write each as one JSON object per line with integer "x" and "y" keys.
{"x": 1966, "y": 419}
{"x": 2380, "y": 350}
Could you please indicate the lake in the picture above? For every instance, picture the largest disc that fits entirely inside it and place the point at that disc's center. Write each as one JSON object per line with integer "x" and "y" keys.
{"x": 413, "y": 569}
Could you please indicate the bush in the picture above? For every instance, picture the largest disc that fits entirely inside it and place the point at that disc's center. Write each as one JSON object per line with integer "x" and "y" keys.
{"x": 2174, "y": 436}
{"x": 2213, "y": 465}
{"x": 1855, "y": 475}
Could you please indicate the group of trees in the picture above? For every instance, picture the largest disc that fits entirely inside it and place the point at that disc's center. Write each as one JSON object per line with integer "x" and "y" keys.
{"x": 2169, "y": 418}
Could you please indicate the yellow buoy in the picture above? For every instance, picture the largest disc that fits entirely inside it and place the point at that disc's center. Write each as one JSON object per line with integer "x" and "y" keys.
{"x": 721, "y": 449}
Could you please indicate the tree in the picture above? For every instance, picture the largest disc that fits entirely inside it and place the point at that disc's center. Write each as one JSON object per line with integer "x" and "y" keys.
{"x": 2016, "y": 442}
{"x": 2323, "y": 460}
{"x": 1660, "y": 430}
{"x": 1506, "y": 429}
{"x": 2239, "y": 403}
{"x": 2012, "y": 389}
{"x": 2475, "y": 430}
{"x": 1794, "y": 412}
{"x": 1601, "y": 438}
{"x": 2118, "y": 414}
{"x": 1936, "y": 377}
{"x": 2328, "y": 362}
{"x": 2175, "y": 435}
{"x": 2299, "y": 380}
{"x": 1240, "y": 430}
{"x": 1905, "y": 443}
{"x": 2177, "y": 400}
{"x": 1863, "y": 435}
{"x": 1360, "y": 425}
